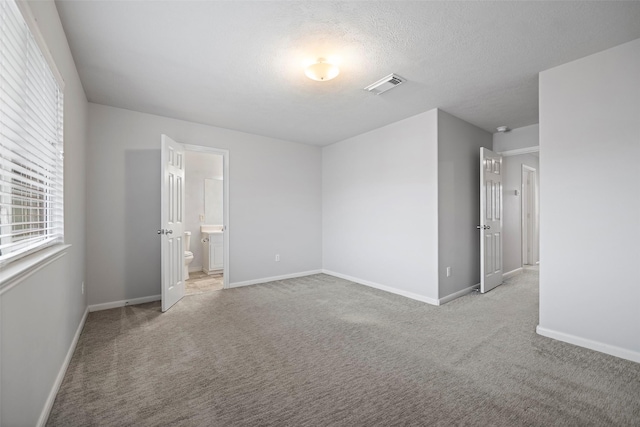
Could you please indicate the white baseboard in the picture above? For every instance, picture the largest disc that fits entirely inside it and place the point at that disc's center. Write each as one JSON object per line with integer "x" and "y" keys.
{"x": 512, "y": 273}
{"x": 458, "y": 294}
{"x": 623, "y": 353}
{"x": 116, "y": 304}
{"x": 44, "y": 415}
{"x": 385, "y": 288}
{"x": 273, "y": 279}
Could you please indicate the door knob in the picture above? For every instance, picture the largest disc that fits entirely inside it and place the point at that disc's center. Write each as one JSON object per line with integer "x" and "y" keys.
{"x": 168, "y": 232}
{"x": 161, "y": 231}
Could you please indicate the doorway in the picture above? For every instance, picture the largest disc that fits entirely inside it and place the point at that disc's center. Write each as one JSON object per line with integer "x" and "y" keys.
{"x": 529, "y": 216}
{"x": 206, "y": 214}
{"x": 179, "y": 226}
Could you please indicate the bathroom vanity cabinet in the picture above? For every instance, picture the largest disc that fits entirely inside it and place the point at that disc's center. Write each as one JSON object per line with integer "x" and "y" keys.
{"x": 212, "y": 252}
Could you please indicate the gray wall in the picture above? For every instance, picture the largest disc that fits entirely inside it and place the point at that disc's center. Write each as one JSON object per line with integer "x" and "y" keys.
{"x": 41, "y": 314}
{"x": 275, "y": 202}
{"x": 524, "y": 137}
{"x": 459, "y": 202}
{"x": 380, "y": 217}
{"x": 512, "y": 207}
{"x": 590, "y": 202}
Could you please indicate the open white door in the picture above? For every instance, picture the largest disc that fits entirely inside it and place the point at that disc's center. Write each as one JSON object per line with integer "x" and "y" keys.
{"x": 172, "y": 214}
{"x": 490, "y": 220}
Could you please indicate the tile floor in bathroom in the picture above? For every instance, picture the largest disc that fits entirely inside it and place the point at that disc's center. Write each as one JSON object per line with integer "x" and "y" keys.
{"x": 200, "y": 282}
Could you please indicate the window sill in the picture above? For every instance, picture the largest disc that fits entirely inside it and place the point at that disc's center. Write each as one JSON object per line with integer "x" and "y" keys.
{"x": 17, "y": 271}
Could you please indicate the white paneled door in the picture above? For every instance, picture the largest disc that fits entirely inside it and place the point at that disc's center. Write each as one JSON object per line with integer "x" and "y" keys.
{"x": 490, "y": 220}
{"x": 172, "y": 218}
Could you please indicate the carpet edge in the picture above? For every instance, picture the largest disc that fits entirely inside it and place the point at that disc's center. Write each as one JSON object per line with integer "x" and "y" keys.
{"x": 601, "y": 347}
{"x": 44, "y": 415}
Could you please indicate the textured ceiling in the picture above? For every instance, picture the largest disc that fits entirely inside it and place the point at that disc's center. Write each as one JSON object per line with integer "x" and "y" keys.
{"x": 238, "y": 64}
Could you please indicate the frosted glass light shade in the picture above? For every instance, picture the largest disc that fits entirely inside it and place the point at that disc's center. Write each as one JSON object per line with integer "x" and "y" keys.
{"x": 321, "y": 71}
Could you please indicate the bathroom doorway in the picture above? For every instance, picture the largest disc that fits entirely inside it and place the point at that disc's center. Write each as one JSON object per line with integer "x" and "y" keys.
{"x": 206, "y": 219}
{"x": 529, "y": 225}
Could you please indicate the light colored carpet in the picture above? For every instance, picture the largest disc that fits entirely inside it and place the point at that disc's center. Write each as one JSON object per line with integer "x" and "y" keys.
{"x": 321, "y": 351}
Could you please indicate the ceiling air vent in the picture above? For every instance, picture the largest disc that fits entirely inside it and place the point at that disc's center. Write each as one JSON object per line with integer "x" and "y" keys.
{"x": 385, "y": 83}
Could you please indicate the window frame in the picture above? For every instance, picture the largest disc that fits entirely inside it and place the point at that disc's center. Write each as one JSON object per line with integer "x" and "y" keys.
{"x": 15, "y": 269}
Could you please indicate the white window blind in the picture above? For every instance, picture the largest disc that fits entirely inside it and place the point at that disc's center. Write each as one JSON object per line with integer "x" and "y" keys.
{"x": 31, "y": 142}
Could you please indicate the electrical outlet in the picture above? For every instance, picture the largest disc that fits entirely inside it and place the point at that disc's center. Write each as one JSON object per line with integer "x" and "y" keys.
{"x": 201, "y": 218}
{"x": 277, "y": 257}
{"x": 83, "y": 287}
{"x": 448, "y": 271}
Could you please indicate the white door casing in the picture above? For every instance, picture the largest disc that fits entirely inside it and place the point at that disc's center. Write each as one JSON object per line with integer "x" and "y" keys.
{"x": 172, "y": 219}
{"x": 490, "y": 220}
{"x": 529, "y": 215}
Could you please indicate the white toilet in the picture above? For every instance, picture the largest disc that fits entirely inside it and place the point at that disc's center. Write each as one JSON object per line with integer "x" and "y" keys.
{"x": 188, "y": 255}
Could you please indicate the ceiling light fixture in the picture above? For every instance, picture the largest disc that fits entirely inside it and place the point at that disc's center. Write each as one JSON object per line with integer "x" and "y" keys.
{"x": 503, "y": 129}
{"x": 322, "y": 71}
